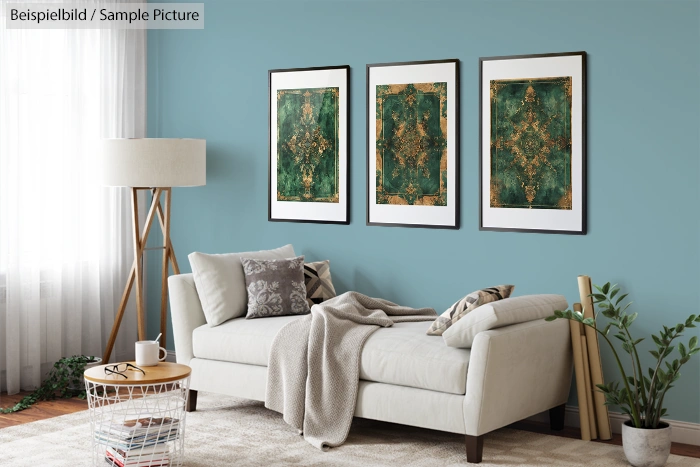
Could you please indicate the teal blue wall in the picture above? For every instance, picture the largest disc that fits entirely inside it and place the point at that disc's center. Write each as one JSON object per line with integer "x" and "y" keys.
{"x": 643, "y": 135}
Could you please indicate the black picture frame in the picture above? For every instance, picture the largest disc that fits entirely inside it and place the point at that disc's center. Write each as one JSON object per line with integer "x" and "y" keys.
{"x": 343, "y": 145}
{"x": 455, "y": 205}
{"x": 583, "y": 192}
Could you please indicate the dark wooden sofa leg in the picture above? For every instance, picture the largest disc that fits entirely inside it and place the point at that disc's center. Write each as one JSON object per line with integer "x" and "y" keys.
{"x": 556, "y": 417}
{"x": 475, "y": 448}
{"x": 191, "y": 401}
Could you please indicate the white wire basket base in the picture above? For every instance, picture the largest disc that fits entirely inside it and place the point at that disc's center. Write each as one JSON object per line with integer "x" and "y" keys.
{"x": 138, "y": 425}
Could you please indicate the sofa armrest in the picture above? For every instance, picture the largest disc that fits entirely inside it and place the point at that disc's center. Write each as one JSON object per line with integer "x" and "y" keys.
{"x": 515, "y": 372}
{"x": 187, "y": 314}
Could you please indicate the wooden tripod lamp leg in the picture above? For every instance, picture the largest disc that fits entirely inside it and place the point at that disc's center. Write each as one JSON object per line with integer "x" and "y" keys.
{"x": 120, "y": 315}
{"x": 168, "y": 243}
{"x": 139, "y": 243}
{"x": 164, "y": 272}
{"x": 138, "y": 263}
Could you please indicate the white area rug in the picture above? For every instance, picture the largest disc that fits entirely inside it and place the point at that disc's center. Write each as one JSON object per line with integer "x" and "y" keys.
{"x": 225, "y": 431}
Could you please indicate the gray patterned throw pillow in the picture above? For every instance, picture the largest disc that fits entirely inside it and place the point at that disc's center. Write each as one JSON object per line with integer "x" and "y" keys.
{"x": 275, "y": 287}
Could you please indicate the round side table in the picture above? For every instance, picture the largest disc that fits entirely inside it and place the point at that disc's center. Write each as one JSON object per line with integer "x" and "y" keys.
{"x": 140, "y": 419}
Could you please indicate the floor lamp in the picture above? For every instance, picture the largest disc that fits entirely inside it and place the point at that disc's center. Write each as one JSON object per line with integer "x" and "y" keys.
{"x": 156, "y": 165}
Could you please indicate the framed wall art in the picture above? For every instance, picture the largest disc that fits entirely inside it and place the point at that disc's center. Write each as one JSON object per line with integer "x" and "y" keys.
{"x": 533, "y": 143}
{"x": 413, "y": 144}
{"x": 308, "y": 146}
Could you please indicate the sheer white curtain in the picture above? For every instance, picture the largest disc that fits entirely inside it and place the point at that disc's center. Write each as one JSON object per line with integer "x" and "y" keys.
{"x": 65, "y": 242}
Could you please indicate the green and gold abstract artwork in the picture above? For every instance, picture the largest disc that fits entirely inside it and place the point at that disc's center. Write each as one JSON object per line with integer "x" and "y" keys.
{"x": 531, "y": 143}
{"x": 411, "y": 144}
{"x": 307, "y": 145}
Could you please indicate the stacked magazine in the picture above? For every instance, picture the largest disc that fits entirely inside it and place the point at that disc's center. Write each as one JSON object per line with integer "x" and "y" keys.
{"x": 139, "y": 442}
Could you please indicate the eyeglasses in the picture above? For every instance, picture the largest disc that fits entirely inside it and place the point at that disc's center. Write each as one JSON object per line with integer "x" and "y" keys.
{"x": 121, "y": 368}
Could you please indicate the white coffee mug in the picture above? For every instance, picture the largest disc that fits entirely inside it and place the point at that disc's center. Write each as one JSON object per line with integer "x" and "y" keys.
{"x": 148, "y": 353}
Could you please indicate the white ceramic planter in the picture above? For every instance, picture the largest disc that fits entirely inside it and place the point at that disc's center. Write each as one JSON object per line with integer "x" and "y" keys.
{"x": 646, "y": 447}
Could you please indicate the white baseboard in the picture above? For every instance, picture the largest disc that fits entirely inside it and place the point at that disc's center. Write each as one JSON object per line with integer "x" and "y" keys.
{"x": 681, "y": 432}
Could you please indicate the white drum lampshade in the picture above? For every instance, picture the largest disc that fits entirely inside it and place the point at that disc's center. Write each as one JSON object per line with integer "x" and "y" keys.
{"x": 154, "y": 162}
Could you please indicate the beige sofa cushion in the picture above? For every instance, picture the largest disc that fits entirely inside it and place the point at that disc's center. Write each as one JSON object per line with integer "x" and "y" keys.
{"x": 221, "y": 284}
{"x": 501, "y": 313}
{"x": 239, "y": 340}
{"x": 403, "y": 354}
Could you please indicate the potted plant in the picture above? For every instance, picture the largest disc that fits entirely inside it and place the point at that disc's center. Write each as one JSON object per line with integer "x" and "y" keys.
{"x": 645, "y": 438}
{"x": 64, "y": 380}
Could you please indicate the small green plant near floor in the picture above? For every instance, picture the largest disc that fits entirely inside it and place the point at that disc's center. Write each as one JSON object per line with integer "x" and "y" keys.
{"x": 61, "y": 381}
{"x": 642, "y": 396}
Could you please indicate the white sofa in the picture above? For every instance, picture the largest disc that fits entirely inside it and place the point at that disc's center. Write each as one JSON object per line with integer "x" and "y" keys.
{"x": 406, "y": 376}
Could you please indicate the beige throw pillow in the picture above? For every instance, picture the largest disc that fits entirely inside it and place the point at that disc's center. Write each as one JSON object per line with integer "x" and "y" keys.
{"x": 467, "y": 304}
{"x": 221, "y": 284}
{"x": 502, "y": 313}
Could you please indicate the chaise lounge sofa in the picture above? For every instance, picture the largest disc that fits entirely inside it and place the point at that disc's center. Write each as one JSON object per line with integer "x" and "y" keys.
{"x": 406, "y": 376}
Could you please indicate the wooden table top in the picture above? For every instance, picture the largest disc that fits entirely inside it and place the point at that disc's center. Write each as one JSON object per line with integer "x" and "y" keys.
{"x": 164, "y": 372}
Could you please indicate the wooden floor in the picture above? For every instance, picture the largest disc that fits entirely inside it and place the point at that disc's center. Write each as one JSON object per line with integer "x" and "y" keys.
{"x": 39, "y": 411}
{"x": 44, "y": 410}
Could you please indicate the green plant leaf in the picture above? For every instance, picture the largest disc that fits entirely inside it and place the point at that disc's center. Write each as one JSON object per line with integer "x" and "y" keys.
{"x": 623, "y": 394}
{"x": 550, "y": 318}
{"x": 620, "y": 298}
{"x": 693, "y": 342}
{"x": 624, "y": 321}
{"x": 608, "y": 313}
{"x": 606, "y": 288}
{"x": 680, "y": 328}
{"x": 614, "y": 292}
{"x": 654, "y": 354}
{"x": 668, "y": 351}
{"x": 681, "y": 349}
{"x": 558, "y": 313}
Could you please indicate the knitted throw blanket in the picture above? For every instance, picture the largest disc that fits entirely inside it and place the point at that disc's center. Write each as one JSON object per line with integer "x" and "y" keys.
{"x": 314, "y": 366}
